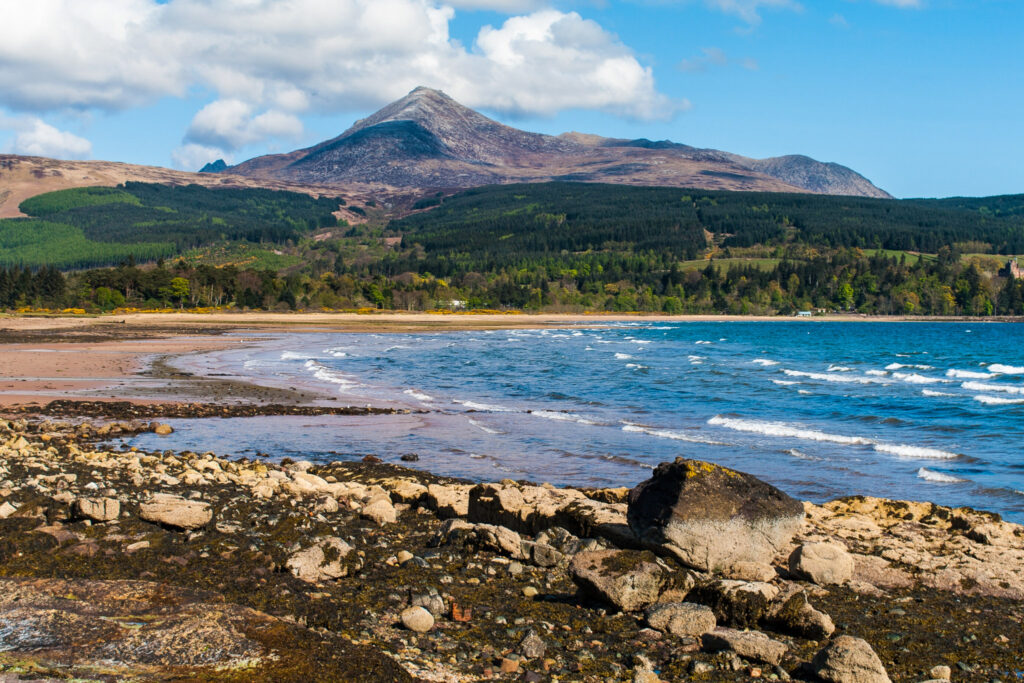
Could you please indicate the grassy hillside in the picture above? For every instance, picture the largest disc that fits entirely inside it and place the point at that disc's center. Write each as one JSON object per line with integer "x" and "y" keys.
{"x": 95, "y": 226}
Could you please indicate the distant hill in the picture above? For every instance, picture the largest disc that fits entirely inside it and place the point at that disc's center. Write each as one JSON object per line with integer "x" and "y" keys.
{"x": 427, "y": 140}
{"x": 22, "y": 177}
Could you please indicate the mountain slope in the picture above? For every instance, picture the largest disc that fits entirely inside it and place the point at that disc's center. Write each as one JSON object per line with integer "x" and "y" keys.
{"x": 427, "y": 140}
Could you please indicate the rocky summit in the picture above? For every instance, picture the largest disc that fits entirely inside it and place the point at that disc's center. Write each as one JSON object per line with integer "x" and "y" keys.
{"x": 427, "y": 140}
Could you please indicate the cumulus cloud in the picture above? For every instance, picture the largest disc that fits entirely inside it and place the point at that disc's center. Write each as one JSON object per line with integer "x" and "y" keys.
{"x": 35, "y": 137}
{"x": 230, "y": 124}
{"x": 268, "y": 61}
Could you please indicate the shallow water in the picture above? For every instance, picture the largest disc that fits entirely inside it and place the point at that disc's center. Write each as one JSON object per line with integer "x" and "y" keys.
{"x": 925, "y": 411}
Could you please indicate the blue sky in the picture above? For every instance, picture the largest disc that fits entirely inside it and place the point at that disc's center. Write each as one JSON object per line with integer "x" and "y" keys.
{"x": 924, "y": 97}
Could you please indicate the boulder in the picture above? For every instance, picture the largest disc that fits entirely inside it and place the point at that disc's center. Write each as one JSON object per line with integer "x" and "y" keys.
{"x": 481, "y": 536}
{"x": 98, "y": 509}
{"x": 849, "y": 660}
{"x": 739, "y": 604}
{"x": 711, "y": 517}
{"x": 749, "y": 644}
{"x": 822, "y": 563}
{"x": 793, "y": 614}
{"x": 380, "y": 511}
{"x": 681, "y": 618}
{"x": 321, "y": 562}
{"x": 174, "y": 511}
{"x": 448, "y": 500}
{"x": 417, "y": 619}
{"x": 630, "y": 580}
{"x": 163, "y": 429}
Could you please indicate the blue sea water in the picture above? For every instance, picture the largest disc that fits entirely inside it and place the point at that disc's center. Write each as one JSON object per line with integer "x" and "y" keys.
{"x": 921, "y": 411}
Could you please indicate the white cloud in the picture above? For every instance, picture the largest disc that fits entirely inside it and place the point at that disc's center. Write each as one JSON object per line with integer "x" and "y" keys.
{"x": 713, "y": 56}
{"x": 230, "y": 124}
{"x": 710, "y": 56}
{"x": 35, "y": 137}
{"x": 750, "y": 10}
{"x": 192, "y": 157}
{"x": 270, "y": 60}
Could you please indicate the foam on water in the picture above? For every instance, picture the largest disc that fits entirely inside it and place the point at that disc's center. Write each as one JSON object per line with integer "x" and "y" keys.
{"x": 325, "y": 374}
{"x": 562, "y": 417}
{"x": 623, "y": 356}
{"x": 999, "y": 388}
{"x": 935, "y": 394}
{"x": 915, "y": 452}
{"x": 636, "y": 366}
{"x": 674, "y": 434}
{"x": 782, "y": 429}
{"x": 968, "y": 374}
{"x": 484, "y": 428}
{"x": 766, "y": 362}
{"x": 825, "y": 377}
{"x": 938, "y": 477}
{"x": 419, "y": 396}
{"x": 696, "y": 360}
{"x": 876, "y": 373}
{"x": 1006, "y": 369}
{"x": 784, "y": 382}
{"x": 998, "y": 400}
{"x": 900, "y": 366}
{"x": 295, "y": 355}
{"x": 483, "y": 407}
{"x": 914, "y": 378}
{"x": 839, "y": 368}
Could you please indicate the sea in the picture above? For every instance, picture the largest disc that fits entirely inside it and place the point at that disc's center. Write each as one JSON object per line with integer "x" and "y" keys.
{"x": 911, "y": 411}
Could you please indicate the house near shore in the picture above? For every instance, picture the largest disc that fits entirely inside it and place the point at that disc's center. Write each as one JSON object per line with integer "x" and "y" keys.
{"x": 1012, "y": 269}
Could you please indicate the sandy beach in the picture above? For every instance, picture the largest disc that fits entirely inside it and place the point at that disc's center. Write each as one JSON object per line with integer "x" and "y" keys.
{"x": 104, "y": 357}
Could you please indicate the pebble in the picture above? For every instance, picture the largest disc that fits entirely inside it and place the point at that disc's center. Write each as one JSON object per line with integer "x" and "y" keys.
{"x": 530, "y": 591}
{"x": 417, "y": 619}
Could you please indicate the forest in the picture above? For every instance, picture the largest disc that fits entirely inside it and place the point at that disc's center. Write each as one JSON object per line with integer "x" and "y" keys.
{"x": 93, "y": 226}
{"x": 568, "y": 247}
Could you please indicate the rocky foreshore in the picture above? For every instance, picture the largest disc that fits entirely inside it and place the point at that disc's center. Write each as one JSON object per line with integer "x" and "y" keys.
{"x": 124, "y": 565}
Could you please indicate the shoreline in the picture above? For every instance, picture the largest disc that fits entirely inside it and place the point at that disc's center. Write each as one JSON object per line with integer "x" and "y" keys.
{"x": 494, "y": 565}
{"x": 399, "y": 321}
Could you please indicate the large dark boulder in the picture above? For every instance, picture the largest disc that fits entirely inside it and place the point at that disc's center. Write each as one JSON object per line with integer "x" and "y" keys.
{"x": 712, "y": 518}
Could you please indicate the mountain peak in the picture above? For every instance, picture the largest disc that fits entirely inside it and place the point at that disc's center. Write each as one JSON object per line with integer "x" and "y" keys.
{"x": 426, "y": 139}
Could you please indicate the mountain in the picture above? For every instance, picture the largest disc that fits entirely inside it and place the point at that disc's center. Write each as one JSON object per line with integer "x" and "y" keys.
{"x": 22, "y": 177}
{"x": 427, "y": 140}
{"x": 218, "y": 166}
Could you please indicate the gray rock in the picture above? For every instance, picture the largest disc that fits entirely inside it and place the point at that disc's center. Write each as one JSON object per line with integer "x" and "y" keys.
{"x": 321, "y": 562}
{"x": 175, "y": 511}
{"x": 430, "y": 601}
{"x": 681, "y": 618}
{"x": 630, "y": 580}
{"x": 711, "y": 517}
{"x": 546, "y": 556}
{"x": 822, "y": 563}
{"x": 381, "y": 511}
{"x": 417, "y": 619}
{"x": 532, "y": 646}
{"x": 749, "y": 644}
{"x": 98, "y": 509}
{"x": 740, "y": 604}
{"x": 794, "y": 614}
{"x": 849, "y": 660}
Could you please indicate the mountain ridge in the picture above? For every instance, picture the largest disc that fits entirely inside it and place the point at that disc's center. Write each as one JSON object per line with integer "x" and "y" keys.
{"x": 427, "y": 140}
